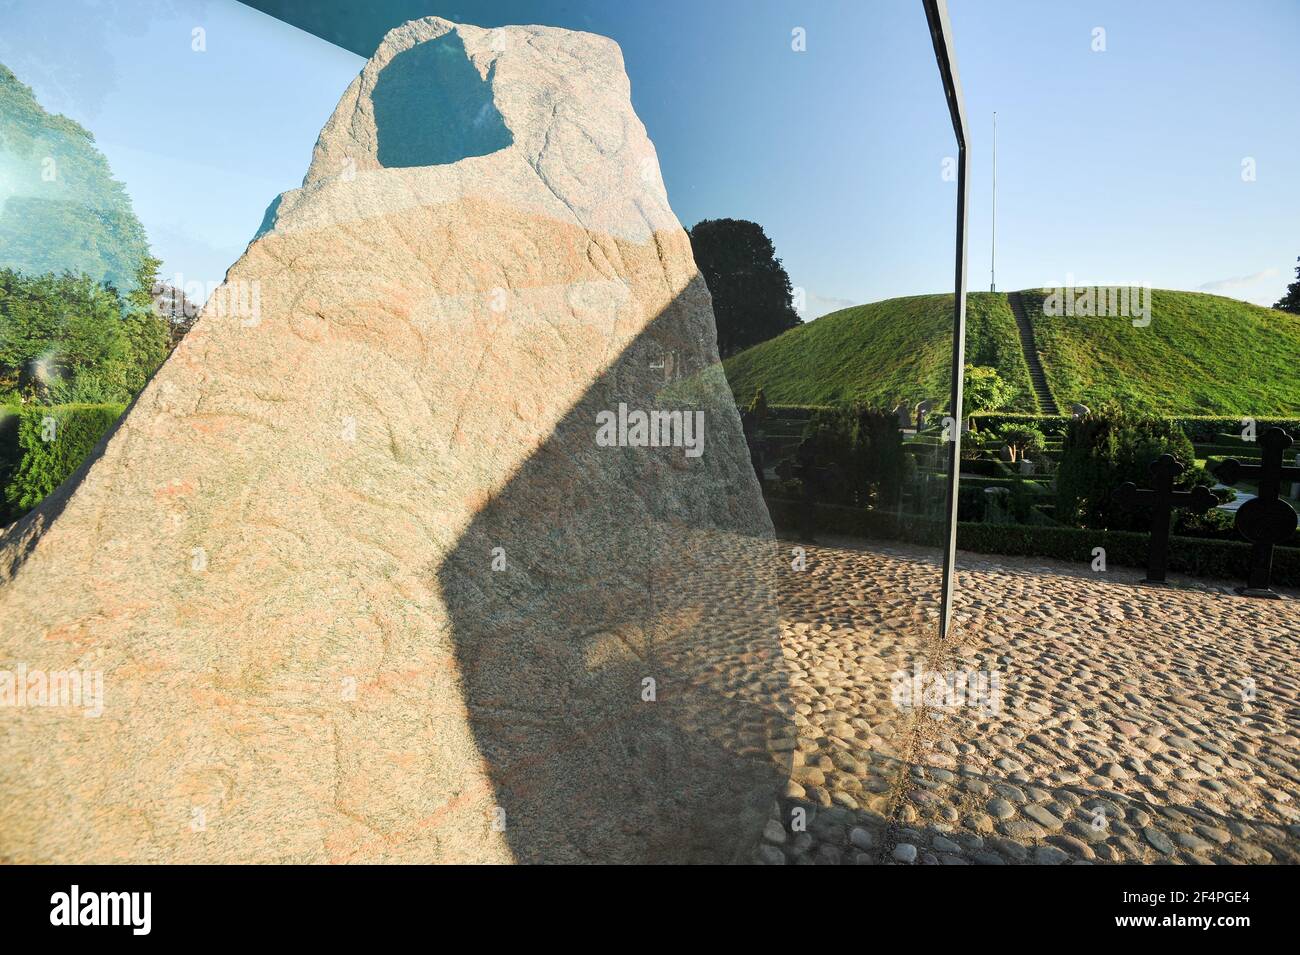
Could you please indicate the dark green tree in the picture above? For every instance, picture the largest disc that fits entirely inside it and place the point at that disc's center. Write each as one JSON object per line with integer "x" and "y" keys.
{"x": 148, "y": 334}
{"x": 752, "y": 298}
{"x": 1290, "y": 302}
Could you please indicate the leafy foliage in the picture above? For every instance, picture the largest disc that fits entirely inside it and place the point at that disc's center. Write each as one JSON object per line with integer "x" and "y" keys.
{"x": 1290, "y": 302}
{"x": 1223, "y": 559}
{"x": 64, "y": 210}
{"x": 863, "y": 449}
{"x": 752, "y": 298}
{"x": 1103, "y": 450}
{"x": 984, "y": 390}
{"x": 1019, "y": 438}
{"x": 66, "y": 338}
{"x": 50, "y": 443}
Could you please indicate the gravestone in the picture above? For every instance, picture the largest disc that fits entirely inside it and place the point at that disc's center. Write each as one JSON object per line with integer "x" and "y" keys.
{"x": 1266, "y": 520}
{"x": 995, "y": 499}
{"x": 1079, "y": 410}
{"x": 903, "y": 413}
{"x": 922, "y": 409}
{"x": 1162, "y": 498}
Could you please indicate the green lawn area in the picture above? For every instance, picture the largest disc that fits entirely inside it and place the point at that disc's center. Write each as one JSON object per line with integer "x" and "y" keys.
{"x": 882, "y": 353}
{"x": 1200, "y": 355}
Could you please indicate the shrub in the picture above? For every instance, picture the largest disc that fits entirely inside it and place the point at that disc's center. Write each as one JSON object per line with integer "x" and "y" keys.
{"x": 1103, "y": 450}
{"x": 51, "y": 442}
{"x": 983, "y": 389}
{"x": 985, "y": 467}
{"x": 1201, "y": 429}
{"x": 1021, "y": 439}
{"x": 863, "y": 449}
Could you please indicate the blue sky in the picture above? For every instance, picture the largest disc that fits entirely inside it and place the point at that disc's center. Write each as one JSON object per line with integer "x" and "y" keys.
{"x": 1115, "y": 166}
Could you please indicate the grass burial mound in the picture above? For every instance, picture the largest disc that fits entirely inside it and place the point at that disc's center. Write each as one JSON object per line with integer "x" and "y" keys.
{"x": 1198, "y": 354}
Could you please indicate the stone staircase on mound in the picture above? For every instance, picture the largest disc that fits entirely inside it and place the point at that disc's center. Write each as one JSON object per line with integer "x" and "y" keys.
{"x": 1046, "y": 403}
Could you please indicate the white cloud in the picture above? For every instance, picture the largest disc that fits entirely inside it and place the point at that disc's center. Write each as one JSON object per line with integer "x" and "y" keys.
{"x": 815, "y": 306}
{"x": 1239, "y": 281}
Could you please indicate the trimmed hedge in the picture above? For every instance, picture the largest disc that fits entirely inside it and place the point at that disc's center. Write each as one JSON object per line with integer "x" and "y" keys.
{"x": 1201, "y": 429}
{"x": 986, "y": 467}
{"x": 1196, "y": 557}
{"x": 1242, "y": 452}
{"x": 1038, "y": 486}
{"x": 36, "y": 466}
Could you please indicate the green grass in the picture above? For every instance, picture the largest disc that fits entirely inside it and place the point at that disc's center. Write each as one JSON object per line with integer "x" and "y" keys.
{"x": 882, "y": 353}
{"x": 1200, "y": 355}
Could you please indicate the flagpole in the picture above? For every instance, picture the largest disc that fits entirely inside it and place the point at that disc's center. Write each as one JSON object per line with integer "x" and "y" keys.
{"x": 993, "y": 254}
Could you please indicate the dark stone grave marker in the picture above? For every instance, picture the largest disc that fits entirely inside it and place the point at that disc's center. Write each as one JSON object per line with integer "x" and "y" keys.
{"x": 1163, "y": 499}
{"x": 1267, "y": 520}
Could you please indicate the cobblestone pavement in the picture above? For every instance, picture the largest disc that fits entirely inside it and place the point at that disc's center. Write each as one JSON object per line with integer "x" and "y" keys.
{"x": 1118, "y": 722}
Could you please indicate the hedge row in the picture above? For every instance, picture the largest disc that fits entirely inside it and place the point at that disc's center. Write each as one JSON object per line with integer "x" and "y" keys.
{"x": 1197, "y": 557}
{"x": 1201, "y": 429}
{"x": 1242, "y": 452}
{"x": 41, "y": 445}
{"x": 1034, "y": 486}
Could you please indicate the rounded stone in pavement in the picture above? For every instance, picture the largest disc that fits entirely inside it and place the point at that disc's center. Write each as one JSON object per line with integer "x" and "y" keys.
{"x": 1001, "y": 809}
{"x": 945, "y": 845}
{"x": 1021, "y": 831}
{"x": 1050, "y": 855}
{"x": 861, "y": 838}
{"x": 770, "y": 855}
{"x": 1158, "y": 840}
{"x": 1043, "y": 817}
{"x": 828, "y": 855}
{"x": 1192, "y": 843}
{"x": 905, "y": 852}
{"x": 1076, "y": 847}
{"x": 1009, "y": 847}
{"x": 774, "y": 832}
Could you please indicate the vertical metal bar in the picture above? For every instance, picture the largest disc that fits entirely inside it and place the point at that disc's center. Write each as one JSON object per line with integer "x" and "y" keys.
{"x": 936, "y": 12}
{"x": 993, "y": 246}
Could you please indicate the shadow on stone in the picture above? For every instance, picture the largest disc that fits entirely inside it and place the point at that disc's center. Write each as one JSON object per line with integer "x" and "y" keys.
{"x": 623, "y": 566}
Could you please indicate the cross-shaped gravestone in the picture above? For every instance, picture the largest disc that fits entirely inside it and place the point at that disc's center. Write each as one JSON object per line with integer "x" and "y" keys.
{"x": 1265, "y": 520}
{"x": 1163, "y": 498}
